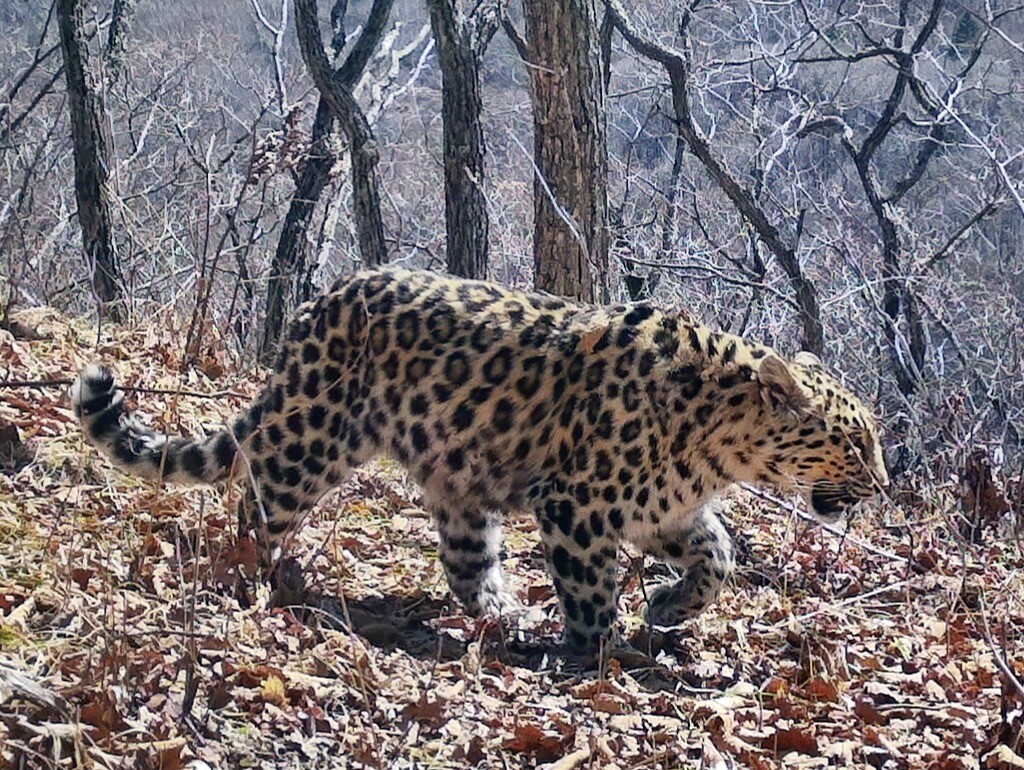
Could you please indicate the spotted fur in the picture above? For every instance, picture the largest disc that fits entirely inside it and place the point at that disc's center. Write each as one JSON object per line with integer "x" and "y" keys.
{"x": 612, "y": 424}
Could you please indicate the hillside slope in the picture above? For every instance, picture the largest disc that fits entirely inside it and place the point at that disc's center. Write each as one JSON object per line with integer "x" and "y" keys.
{"x": 122, "y": 643}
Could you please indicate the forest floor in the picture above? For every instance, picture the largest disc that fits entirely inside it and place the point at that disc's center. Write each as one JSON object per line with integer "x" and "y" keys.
{"x": 122, "y": 643}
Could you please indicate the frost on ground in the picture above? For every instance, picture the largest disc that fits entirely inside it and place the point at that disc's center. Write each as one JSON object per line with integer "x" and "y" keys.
{"x": 122, "y": 642}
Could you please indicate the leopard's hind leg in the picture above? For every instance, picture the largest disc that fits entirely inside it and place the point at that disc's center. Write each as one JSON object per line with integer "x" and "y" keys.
{"x": 470, "y": 550}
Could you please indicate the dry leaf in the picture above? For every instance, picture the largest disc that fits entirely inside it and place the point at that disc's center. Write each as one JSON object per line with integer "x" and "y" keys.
{"x": 793, "y": 739}
{"x": 607, "y": 703}
{"x": 531, "y": 738}
{"x": 101, "y": 714}
{"x": 426, "y": 709}
{"x": 273, "y": 691}
{"x": 1002, "y": 757}
{"x": 821, "y": 689}
{"x": 867, "y": 713}
{"x": 589, "y": 339}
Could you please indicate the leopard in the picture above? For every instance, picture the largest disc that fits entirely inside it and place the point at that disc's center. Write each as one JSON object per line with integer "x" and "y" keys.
{"x": 614, "y": 425}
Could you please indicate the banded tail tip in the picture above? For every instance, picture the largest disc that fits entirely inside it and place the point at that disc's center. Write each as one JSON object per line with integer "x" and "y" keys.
{"x": 94, "y": 391}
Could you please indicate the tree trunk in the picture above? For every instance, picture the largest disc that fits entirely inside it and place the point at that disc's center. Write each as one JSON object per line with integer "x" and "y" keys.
{"x": 460, "y": 42}
{"x": 93, "y": 160}
{"x": 293, "y": 247}
{"x": 812, "y": 337}
{"x": 570, "y": 193}
{"x": 293, "y": 257}
{"x": 121, "y": 16}
{"x": 335, "y": 87}
{"x": 907, "y": 346}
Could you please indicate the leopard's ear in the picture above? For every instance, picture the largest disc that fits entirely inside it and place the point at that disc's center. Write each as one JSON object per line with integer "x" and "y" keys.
{"x": 779, "y": 389}
{"x": 808, "y": 359}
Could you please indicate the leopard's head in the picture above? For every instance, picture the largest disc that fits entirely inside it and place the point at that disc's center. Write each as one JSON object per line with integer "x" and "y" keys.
{"x": 819, "y": 438}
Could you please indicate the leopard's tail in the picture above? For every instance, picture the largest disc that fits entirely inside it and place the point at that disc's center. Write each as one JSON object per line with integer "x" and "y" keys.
{"x": 99, "y": 408}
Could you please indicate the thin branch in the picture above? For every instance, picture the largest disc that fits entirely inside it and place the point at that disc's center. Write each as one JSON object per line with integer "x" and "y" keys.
{"x": 278, "y": 31}
{"x": 852, "y": 58}
{"x": 886, "y": 120}
{"x": 936, "y": 136}
{"x": 959, "y": 233}
{"x": 43, "y": 384}
{"x": 516, "y": 38}
{"x": 1000, "y": 657}
{"x": 1000, "y": 166}
{"x": 46, "y": 90}
{"x": 788, "y": 506}
{"x": 565, "y": 216}
{"x": 997, "y": 404}
{"x": 38, "y": 59}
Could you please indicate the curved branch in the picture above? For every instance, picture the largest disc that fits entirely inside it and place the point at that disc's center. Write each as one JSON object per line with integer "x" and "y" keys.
{"x": 516, "y": 38}
{"x": 674, "y": 63}
{"x": 483, "y": 22}
{"x": 355, "y": 63}
{"x": 336, "y": 89}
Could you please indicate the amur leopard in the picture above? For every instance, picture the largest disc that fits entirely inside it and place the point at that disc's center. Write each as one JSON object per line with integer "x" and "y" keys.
{"x": 611, "y": 424}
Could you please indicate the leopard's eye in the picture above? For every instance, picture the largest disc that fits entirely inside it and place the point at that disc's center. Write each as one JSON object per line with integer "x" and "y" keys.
{"x": 853, "y": 445}
{"x": 864, "y": 445}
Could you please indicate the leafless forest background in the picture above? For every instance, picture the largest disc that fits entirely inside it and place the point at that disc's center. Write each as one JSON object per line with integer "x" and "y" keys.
{"x": 851, "y": 165}
{"x": 843, "y": 176}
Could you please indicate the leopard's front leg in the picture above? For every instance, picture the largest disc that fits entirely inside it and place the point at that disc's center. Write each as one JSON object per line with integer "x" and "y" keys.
{"x": 582, "y": 556}
{"x": 701, "y": 546}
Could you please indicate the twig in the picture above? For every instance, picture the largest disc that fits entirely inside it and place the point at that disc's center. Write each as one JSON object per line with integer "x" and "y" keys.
{"x": 1000, "y": 659}
{"x": 35, "y": 383}
{"x": 564, "y": 215}
{"x": 189, "y": 617}
{"x": 187, "y": 393}
{"x": 828, "y": 527}
{"x": 850, "y": 600}
{"x": 125, "y": 388}
{"x": 13, "y": 683}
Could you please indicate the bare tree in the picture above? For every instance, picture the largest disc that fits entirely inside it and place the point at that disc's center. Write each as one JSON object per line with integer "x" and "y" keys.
{"x": 335, "y": 86}
{"x": 292, "y": 257}
{"x": 674, "y": 62}
{"x": 93, "y": 151}
{"x": 461, "y": 39}
{"x": 903, "y": 324}
{"x": 565, "y": 49}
